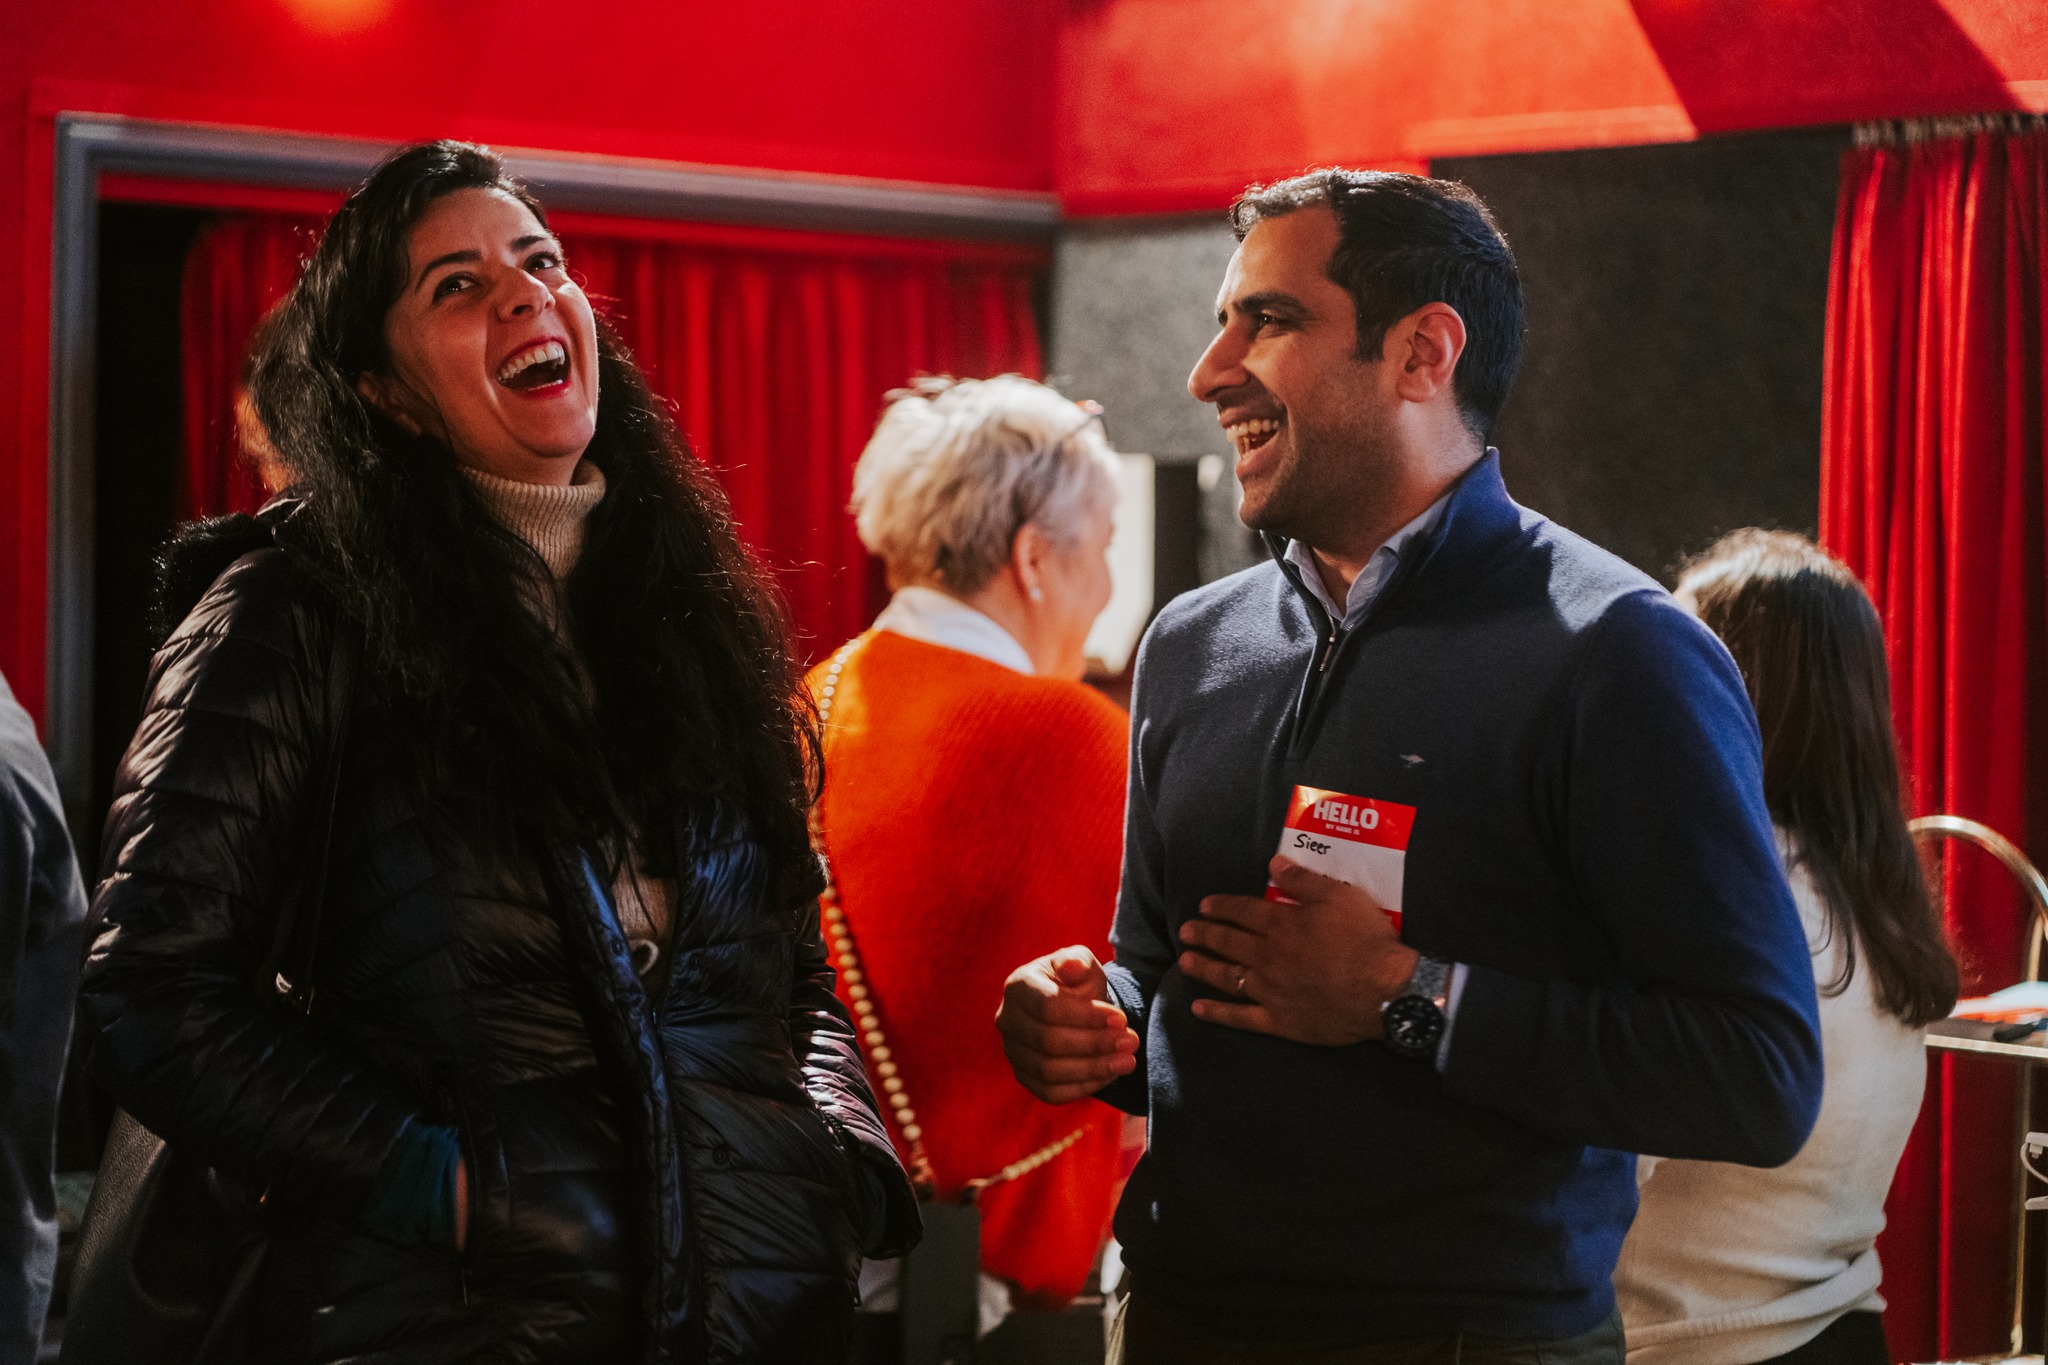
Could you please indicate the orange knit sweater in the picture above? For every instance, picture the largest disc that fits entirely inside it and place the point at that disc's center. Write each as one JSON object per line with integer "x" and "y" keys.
{"x": 974, "y": 819}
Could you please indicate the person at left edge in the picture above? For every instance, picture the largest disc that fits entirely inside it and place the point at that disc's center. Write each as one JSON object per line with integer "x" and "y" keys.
{"x": 574, "y": 1086}
{"x": 42, "y": 929}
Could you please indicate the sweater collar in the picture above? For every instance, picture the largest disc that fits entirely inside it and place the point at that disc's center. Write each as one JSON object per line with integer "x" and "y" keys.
{"x": 1477, "y": 515}
{"x": 1373, "y": 577}
{"x": 549, "y": 517}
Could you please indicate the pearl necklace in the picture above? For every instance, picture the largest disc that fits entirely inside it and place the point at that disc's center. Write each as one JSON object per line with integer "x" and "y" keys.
{"x": 882, "y": 1062}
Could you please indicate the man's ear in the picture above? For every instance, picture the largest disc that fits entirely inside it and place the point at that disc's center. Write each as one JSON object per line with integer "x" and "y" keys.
{"x": 388, "y": 396}
{"x": 1426, "y": 344}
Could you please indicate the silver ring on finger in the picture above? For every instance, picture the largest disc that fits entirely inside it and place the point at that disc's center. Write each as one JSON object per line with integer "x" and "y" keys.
{"x": 1241, "y": 975}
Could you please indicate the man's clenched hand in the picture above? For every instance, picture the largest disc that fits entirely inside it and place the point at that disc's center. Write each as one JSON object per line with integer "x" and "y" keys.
{"x": 1064, "y": 1035}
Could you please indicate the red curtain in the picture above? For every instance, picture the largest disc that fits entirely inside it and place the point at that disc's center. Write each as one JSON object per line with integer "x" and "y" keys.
{"x": 777, "y": 360}
{"x": 1932, "y": 490}
{"x": 238, "y": 268}
{"x": 774, "y": 348}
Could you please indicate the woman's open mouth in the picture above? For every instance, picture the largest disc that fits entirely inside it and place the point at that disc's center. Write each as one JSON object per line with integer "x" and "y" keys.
{"x": 1249, "y": 436}
{"x": 543, "y": 365}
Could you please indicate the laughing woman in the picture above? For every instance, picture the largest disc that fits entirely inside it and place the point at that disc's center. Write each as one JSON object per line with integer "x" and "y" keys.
{"x": 574, "y": 1085}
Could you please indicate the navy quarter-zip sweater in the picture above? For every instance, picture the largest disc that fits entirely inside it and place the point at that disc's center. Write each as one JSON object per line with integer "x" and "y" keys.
{"x": 1590, "y": 837}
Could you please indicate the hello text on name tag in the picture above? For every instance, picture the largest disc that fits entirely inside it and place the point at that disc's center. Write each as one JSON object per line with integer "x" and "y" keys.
{"x": 1354, "y": 839}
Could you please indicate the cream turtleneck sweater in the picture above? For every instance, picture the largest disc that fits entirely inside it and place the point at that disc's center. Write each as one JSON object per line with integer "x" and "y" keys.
{"x": 551, "y": 518}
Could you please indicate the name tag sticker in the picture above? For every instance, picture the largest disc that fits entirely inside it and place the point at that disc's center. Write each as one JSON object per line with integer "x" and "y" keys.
{"x": 1354, "y": 839}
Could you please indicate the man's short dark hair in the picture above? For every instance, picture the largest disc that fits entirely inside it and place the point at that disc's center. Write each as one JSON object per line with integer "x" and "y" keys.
{"x": 1404, "y": 241}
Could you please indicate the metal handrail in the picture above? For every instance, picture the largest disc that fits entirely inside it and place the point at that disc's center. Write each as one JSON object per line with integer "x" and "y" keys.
{"x": 2035, "y": 887}
{"x": 1998, "y": 846}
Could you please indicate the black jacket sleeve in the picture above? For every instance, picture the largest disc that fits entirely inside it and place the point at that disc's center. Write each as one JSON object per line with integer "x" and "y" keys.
{"x": 211, "y": 808}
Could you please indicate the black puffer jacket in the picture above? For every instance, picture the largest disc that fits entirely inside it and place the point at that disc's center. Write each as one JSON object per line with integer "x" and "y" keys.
{"x": 672, "y": 1180}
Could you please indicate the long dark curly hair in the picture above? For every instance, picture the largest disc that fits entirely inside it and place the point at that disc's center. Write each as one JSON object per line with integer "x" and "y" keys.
{"x": 1811, "y": 649}
{"x": 675, "y": 680}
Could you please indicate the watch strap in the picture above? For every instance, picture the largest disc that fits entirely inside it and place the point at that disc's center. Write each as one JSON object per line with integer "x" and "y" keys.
{"x": 1431, "y": 980}
{"x": 1418, "y": 1017}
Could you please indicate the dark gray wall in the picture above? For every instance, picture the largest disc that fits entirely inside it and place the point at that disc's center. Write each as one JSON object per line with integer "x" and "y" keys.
{"x": 1671, "y": 389}
{"x": 1133, "y": 305}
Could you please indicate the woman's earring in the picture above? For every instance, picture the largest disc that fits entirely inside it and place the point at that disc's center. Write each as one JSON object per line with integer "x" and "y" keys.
{"x": 1038, "y": 594}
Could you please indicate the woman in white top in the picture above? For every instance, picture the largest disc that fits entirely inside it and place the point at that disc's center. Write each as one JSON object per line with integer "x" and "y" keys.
{"x": 1729, "y": 1265}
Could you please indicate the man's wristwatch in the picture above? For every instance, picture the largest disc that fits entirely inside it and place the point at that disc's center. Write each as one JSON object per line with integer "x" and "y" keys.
{"x": 1415, "y": 1019}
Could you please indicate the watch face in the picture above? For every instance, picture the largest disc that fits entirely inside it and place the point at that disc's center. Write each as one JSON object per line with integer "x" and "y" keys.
{"x": 1414, "y": 1023}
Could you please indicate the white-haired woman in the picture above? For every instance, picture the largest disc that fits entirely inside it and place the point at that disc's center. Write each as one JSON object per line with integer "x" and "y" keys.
{"x": 973, "y": 799}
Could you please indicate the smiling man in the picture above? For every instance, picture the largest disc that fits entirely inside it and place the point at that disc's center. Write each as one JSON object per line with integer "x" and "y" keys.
{"x": 1373, "y": 1143}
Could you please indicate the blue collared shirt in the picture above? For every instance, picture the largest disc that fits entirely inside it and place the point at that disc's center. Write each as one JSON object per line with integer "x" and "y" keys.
{"x": 1366, "y": 588}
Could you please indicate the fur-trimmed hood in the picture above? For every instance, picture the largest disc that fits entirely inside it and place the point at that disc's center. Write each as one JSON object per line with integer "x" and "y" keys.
{"x": 199, "y": 552}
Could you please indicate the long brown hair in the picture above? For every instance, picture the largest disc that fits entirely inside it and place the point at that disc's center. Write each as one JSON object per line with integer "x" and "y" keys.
{"x": 1811, "y": 650}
